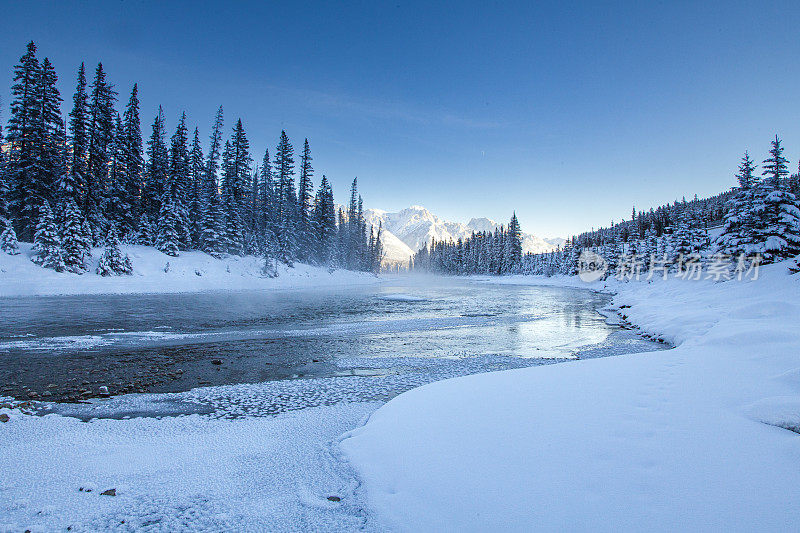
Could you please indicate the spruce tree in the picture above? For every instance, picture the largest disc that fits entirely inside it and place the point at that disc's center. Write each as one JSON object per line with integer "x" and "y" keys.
{"x": 50, "y": 150}
{"x": 75, "y": 187}
{"x": 112, "y": 262}
{"x": 75, "y": 243}
{"x": 24, "y": 137}
{"x": 304, "y": 198}
{"x": 134, "y": 152}
{"x": 738, "y": 235}
{"x": 513, "y": 245}
{"x": 325, "y": 224}
{"x": 197, "y": 197}
{"x": 157, "y": 171}
{"x": 212, "y": 217}
{"x": 8, "y": 237}
{"x": 118, "y": 207}
{"x": 167, "y": 240}
{"x": 46, "y": 244}
{"x": 177, "y": 182}
{"x": 777, "y": 231}
{"x": 286, "y": 205}
{"x": 145, "y": 233}
{"x": 235, "y": 189}
{"x": 101, "y": 135}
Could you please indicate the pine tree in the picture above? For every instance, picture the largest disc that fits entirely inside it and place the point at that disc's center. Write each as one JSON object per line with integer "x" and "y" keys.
{"x": 267, "y": 224}
{"x": 650, "y": 244}
{"x": 197, "y": 196}
{"x": 75, "y": 187}
{"x": 145, "y": 234}
{"x": 325, "y": 224}
{"x": 157, "y": 168}
{"x": 353, "y": 228}
{"x": 26, "y": 194}
{"x": 101, "y": 135}
{"x": 286, "y": 205}
{"x": 8, "y": 238}
{"x": 50, "y": 150}
{"x": 168, "y": 220}
{"x": 177, "y": 182}
{"x": 738, "y": 235}
{"x": 118, "y": 207}
{"x": 134, "y": 152}
{"x": 112, "y": 262}
{"x": 235, "y": 178}
{"x": 304, "y": 199}
{"x": 46, "y": 244}
{"x": 211, "y": 217}
{"x": 76, "y": 244}
{"x": 513, "y": 245}
{"x": 684, "y": 243}
{"x": 776, "y": 211}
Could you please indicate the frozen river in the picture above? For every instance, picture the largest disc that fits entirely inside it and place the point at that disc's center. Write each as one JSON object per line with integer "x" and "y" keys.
{"x": 66, "y": 348}
{"x": 248, "y": 394}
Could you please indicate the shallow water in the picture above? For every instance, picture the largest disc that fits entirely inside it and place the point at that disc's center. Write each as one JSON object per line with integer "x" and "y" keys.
{"x": 403, "y": 332}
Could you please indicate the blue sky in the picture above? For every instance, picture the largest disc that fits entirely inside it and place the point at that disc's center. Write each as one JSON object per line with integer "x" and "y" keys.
{"x": 567, "y": 112}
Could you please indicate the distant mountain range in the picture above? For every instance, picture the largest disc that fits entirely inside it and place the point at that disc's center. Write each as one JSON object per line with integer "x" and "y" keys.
{"x": 407, "y": 231}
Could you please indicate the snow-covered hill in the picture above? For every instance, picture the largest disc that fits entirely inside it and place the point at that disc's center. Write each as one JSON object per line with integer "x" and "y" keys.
{"x": 408, "y": 230}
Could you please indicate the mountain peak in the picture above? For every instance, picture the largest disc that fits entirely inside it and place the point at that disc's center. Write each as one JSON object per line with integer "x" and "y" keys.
{"x": 409, "y": 229}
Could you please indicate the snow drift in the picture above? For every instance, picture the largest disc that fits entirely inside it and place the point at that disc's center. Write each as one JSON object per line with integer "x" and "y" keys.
{"x": 693, "y": 438}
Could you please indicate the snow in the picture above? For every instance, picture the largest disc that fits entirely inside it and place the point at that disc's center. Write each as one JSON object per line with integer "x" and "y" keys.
{"x": 686, "y": 439}
{"x": 179, "y": 473}
{"x": 189, "y": 272}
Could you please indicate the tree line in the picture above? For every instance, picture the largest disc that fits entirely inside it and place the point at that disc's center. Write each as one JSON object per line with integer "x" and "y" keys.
{"x": 89, "y": 179}
{"x": 759, "y": 217}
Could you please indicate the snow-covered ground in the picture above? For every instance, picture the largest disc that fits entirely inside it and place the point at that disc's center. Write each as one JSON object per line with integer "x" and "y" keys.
{"x": 692, "y": 438}
{"x": 155, "y": 272}
{"x": 701, "y": 437}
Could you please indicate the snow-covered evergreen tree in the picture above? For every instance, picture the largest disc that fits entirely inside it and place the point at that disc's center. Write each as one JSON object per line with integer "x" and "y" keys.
{"x": 157, "y": 168}
{"x": 324, "y": 223}
{"x": 177, "y": 182}
{"x": 167, "y": 240}
{"x": 777, "y": 226}
{"x": 304, "y": 199}
{"x": 145, "y": 233}
{"x": 118, "y": 207}
{"x": 286, "y": 202}
{"x": 112, "y": 262}
{"x": 100, "y": 137}
{"x": 134, "y": 153}
{"x": 738, "y": 233}
{"x": 513, "y": 245}
{"x": 75, "y": 187}
{"x": 211, "y": 219}
{"x": 196, "y": 205}
{"x": 25, "y": 138}
{"x": 75, "y": 243}
{"x": 46, "y": 244}
{"x": 235, "y": 189}
{"x": 8, "y": 238}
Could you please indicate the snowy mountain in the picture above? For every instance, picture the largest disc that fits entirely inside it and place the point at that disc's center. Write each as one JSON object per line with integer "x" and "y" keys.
{"x": 409, "y": 230}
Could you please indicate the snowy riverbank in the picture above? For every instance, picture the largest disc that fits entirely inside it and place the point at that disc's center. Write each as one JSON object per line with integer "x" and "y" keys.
{"x": 155, "y": 272}
{"x": 686, "y": 439}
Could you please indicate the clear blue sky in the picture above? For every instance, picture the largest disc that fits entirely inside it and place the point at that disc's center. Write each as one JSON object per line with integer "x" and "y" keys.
{"x": 568, "y": 112}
